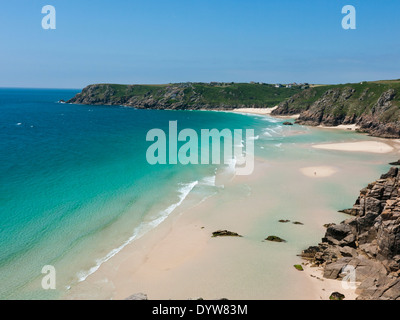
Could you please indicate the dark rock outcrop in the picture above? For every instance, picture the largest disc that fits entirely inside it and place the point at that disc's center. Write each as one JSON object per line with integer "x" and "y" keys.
{"x": 225, "y": 233}
{"x": 336, "y": 296}
{"x": 275, "y": 239}
{"x": 185, "y": 96}
{"x": 368, "y": 242}
{"x": 137, "y": 296}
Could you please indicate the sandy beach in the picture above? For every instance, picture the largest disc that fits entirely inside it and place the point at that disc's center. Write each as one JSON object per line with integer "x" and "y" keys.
{"x": 265, "y": 111}
{"x": 181, "y": 260}
{"x": 318, "y": 172}
{"x": 260, "y": 111}
{"x": 360, "y": 146}
{"x": 350, "y": 127}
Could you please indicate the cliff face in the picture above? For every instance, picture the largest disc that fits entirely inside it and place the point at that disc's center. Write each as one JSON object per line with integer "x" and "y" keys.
{"x": 191, "y": 96}
{"x": 369, "y": 241}
{"x": 374, "y": 107}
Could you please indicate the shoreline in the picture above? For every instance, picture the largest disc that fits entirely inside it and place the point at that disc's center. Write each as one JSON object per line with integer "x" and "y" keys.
{"x": 176, "y": 250}
{"x": 373, "y": 146}
{"x": 181, "y": 246}
{"x": 262, "y": 112}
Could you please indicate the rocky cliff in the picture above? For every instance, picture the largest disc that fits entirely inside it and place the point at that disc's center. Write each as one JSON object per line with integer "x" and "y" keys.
{"x": 373, "y": 106}
{"x": 369, "y": 241}
{"x": 191, "y": 96}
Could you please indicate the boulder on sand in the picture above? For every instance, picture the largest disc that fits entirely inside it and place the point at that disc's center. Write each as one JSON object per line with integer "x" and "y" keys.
{"x": 225, "y": 233}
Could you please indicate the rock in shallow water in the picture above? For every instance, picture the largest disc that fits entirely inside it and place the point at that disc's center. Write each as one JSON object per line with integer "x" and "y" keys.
{"x": 225, "y": 233}
{"x": 275, "y": 239}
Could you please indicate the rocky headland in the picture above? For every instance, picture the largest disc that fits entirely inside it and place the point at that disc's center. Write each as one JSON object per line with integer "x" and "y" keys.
{"x": 373, "y": 106}
{"x": 186, "y": 96}
{"x": 368, "y": 242}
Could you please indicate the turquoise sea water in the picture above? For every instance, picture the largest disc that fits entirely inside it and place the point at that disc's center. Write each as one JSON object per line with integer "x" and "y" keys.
{"x": 75, "y": 186}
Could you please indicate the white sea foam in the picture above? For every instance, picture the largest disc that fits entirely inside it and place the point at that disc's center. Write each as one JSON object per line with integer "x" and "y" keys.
{"x": 140, "y": 230}
{"x": 273, "y": 132}
{"x": 208, "y": 181}
{"x": 270, "y": 119}
{"x": 231, "y": 166}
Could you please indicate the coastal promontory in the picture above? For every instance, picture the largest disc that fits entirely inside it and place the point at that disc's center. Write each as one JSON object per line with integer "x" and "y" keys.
{"x": 373, "y": 107}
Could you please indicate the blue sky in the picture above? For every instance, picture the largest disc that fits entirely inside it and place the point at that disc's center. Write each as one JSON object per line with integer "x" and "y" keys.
{"x": 160, "y": 41}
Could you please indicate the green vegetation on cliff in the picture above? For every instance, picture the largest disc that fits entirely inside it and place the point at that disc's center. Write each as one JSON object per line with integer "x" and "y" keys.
{"x": 186, "y": 95}
{"x": 356, "y": 98}
{"x": 373, "y": 106}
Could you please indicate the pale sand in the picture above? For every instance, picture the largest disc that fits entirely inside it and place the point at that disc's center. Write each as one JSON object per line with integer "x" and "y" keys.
{"x": 319, "y": 172}
{"x": 325, "y": 287}
{"x": 261, "y": 111}
{"x": 360, "y": 146}
{"x": 265, "y": 112}
{"x": 293, "y": 116}
{"x": 180, "y": 260}
{"x": 350, "y": 127}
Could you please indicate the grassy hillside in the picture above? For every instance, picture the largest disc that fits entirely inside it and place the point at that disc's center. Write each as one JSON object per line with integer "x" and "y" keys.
{"x": 352, "y": 99}
{"x": 374, "y": 106}
{"x": 187, "y": 95}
